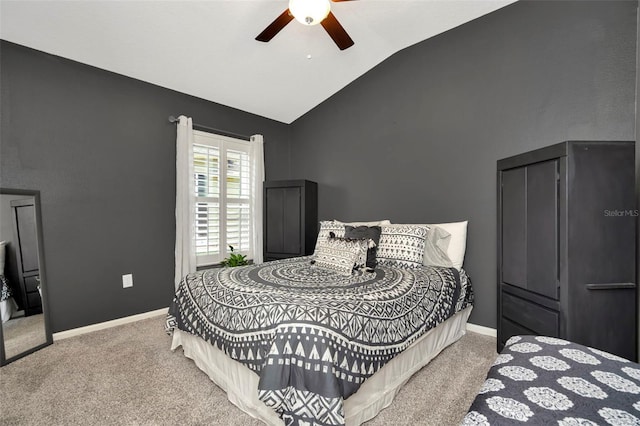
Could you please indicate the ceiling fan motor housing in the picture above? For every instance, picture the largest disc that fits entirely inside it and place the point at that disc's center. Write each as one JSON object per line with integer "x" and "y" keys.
{"x": 309, "y": 12}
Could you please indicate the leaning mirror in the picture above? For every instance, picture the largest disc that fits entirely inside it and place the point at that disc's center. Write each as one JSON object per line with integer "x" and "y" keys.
{"x": 23, "y": 302}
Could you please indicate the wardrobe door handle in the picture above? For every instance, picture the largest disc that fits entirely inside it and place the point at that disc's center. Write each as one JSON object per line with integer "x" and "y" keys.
{"x": 610, "y": 286}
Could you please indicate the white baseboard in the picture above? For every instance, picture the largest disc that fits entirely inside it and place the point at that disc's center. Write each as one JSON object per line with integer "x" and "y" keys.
{"x": 481, "y": 329}
{"x": 108, "y": 324}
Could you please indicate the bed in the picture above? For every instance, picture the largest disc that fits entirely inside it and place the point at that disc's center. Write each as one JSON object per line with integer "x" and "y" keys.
{"x": 546, "y": 380}
{"x": 295, "y": 342}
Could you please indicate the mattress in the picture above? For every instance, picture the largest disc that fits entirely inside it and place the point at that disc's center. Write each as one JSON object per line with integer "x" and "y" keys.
{"x": 377, "y": 393}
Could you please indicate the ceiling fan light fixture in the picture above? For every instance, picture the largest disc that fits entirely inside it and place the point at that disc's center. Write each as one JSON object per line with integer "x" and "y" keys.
{"x": 309, "y": 12}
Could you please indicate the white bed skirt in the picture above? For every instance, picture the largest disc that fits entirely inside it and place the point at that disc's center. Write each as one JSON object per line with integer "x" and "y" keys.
{"x": 375, "y": 394}
{"x": 7, "y": 308}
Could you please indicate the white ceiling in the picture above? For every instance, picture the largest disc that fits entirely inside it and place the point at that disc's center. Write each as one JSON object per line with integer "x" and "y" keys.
{"x": 207, "y": 48}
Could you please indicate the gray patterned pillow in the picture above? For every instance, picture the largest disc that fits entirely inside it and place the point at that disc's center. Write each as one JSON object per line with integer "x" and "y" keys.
{"x": 341, "y": 255}
{"x": 361, "y": 260}
{"x": 402, "y": 245}
{"x": 326, "y": 227}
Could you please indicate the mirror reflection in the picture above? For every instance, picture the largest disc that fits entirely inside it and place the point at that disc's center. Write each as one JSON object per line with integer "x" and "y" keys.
{"x": 21, "y": 300}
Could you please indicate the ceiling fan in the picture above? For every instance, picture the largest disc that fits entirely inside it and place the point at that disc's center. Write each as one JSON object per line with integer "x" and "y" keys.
{"x": 309, "y": 12}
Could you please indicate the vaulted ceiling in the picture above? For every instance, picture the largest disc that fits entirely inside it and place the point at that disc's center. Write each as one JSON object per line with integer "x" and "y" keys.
{"x": 207, "y": 48}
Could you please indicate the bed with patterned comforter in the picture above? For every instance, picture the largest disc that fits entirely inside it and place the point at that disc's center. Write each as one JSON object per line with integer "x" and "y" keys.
{"x": 543, "y": 380}
{"x": 314, "y": 336}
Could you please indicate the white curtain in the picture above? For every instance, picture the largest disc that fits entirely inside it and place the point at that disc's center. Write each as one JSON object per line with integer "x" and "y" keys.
{"x": 256, "y": 153}
{"x": 185, "y": 246}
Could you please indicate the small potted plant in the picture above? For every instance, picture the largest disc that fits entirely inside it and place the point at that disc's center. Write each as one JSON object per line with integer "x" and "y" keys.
{"x": 235, "y": 259}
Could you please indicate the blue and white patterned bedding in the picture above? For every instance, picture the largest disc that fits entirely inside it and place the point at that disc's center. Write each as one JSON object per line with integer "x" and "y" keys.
{"x": 312, "y": 335}
{"x": 543, "y": 380}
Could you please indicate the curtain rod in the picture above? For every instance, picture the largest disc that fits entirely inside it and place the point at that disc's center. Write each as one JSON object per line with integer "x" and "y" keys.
{"x": 174, "y": 120}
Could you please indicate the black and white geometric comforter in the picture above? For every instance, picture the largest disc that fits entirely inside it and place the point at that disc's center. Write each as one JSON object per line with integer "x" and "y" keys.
{"x": 5, "y": 289}
{"x": 543, "y": 380}
{"x": 314, "y": 336}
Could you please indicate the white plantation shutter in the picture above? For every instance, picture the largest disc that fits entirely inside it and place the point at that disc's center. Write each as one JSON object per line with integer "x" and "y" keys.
{"x": 237, "y": 200}
{"x": 222, "y": 182}
{"x": 206, "y": 170}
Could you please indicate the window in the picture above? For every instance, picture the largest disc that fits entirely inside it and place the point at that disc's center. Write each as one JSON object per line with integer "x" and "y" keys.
{"x": 222, "y": 185}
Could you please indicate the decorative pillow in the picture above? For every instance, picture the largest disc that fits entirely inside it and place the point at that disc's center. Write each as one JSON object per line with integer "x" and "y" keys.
{"x": 326, "y": 227}
{"x": 341, "y": 255}
{"x": 368, "y": 233}
{"x": 402, "y": 245}
{"x": 436, "y": 246}
{"x": 338, "y": 228}
{"x": 361, "y": 261}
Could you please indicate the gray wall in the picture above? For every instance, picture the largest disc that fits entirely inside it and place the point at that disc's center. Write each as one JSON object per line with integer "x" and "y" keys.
{"x": 101, "y": 151}
{"x": 417, "y": 138}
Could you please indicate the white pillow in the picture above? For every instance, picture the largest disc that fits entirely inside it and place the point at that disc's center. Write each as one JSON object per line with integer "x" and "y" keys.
{"x": 436, "y": 248}
{"x": 458, "y": 243}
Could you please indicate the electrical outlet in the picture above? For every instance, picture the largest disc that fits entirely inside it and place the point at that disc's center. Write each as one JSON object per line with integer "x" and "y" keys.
{"x": 127, "y": 280}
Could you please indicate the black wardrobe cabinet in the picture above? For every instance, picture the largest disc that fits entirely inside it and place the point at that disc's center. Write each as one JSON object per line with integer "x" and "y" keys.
{"x": 26, "y": 242}
{"x": 290, "y": 218}
{"x": 566, "y": 245}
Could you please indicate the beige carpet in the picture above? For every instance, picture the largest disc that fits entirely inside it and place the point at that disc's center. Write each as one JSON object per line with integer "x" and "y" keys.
{"x": 128, "y": 376}
{"x": 23, "y": 333}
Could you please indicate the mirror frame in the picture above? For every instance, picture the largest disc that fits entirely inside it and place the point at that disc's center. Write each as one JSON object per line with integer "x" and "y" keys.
{"x": 43, "y": 280}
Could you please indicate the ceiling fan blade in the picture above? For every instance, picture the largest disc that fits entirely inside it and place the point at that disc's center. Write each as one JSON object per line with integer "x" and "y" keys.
{"x": 336, "y": 31}
{"x": 275, "y": 27}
